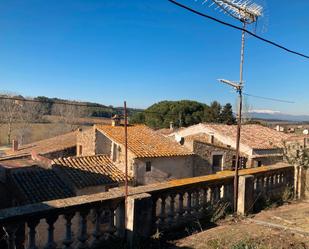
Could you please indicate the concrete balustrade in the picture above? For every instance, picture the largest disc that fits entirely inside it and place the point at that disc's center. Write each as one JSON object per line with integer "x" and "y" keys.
{"x": 157, "y": 207}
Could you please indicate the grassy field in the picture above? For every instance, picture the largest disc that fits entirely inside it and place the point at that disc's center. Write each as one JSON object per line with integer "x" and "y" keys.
{"x": 52, "y": 126}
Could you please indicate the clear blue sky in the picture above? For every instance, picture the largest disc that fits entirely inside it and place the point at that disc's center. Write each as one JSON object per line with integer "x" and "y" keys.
{"x": 149, "y": 50}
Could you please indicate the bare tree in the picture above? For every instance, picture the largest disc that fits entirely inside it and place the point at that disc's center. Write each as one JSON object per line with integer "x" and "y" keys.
{"x": 69, "y": 114}
{"x": 30, "y": 112}
{"x": 18, "y": 114}
{"x": 9, "y": 115}
{"x": 296, "y": 154}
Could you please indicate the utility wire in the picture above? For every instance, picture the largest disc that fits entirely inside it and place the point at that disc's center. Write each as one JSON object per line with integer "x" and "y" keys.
{"x": 267, "y": 98}
{"x": 238, "y": 28}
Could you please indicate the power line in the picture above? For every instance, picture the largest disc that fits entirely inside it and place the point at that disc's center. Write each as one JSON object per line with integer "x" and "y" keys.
{"x": 271, "y": 99}
{"x": 238, "y": 28}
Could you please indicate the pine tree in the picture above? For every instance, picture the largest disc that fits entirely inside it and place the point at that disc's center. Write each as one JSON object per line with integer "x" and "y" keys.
{"x": 226, "y": 115}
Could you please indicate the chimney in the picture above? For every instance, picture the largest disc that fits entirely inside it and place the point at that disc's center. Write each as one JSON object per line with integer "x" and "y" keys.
{"x": 171, "y": 125}
{"x": 15, "y": 145}
{"x": 116, "y": 120}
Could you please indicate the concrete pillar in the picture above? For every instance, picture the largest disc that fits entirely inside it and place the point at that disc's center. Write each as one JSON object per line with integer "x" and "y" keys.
{"x": 139, "y": 217}
{"x": 303, "y": 183}
{"x": 245, "y": 194}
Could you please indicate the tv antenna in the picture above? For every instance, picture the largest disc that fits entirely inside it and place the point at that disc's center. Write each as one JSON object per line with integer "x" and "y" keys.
{"x": 244, "y": 10}
{"x": 247, "y": 12}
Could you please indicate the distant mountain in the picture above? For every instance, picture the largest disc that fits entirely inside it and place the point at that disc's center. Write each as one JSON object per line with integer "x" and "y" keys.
{"x": 275, "y": 115}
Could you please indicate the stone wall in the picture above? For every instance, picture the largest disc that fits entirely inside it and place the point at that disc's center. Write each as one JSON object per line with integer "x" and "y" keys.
{"x": 86, "y": 139}
{"x": 103, "y": 144}
{"x": 163, "y": 169}
{"x": 92, "y": 142}
{"x": 203, "y": 161}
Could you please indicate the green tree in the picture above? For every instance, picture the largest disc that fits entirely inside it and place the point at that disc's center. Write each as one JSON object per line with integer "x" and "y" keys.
{"x": 213, "y": 113}
{"x": 226, "y": 115}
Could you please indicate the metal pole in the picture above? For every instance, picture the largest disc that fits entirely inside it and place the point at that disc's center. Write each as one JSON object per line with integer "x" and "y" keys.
{"x": 126, "y": 148}
{"x": 126, "y": 166}
{"x": 239, "y": 90}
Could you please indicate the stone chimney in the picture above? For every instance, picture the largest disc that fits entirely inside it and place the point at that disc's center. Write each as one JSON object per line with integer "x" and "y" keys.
{"x": 116, "y": 120}
{"x": 171, "y": 125}
{"x": 14, "y": 145}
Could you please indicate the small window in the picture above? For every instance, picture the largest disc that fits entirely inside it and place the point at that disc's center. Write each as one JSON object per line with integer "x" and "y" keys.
{"x": 234, "y": 162}
{"x": 148, "y": 166}
{"x": 259, "y": 163}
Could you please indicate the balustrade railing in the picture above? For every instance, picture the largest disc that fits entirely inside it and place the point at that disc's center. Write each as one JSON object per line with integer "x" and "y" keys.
{"x": 86, "y": 221}
{"x": 70, "y": 223}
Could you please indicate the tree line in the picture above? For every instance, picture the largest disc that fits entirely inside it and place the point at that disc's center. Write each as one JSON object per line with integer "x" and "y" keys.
{"x": 17, "y": 113}
{"x": 184, "y": 113}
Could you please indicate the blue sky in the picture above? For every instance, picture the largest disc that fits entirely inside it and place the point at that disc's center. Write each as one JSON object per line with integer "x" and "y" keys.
{"x": 145, "y": 51}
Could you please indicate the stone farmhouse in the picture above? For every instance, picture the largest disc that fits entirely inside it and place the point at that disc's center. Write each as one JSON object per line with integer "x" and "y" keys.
{"x": 215, "y": 145}
{"x": 151, "y": 156}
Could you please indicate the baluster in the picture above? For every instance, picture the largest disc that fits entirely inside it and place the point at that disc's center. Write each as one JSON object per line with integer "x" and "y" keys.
{"x": 197, "y": 202}
{"x": 11, "y": 235}
{"x": 265, "y": 185}
{"x": 97, "y": 233}
{"x": 215, "y": 194}
{"x": 32, "y": 232}
{"x": 204, "y": 201}
{"x": 189, "y": 203}
{"x": 171, "y": 212}
{"x": 67, "y": 242}
{"x": 270, "y": 185}
{"x": 227, "y": 193}
{"x": 180, "y": 206}
{"x": 50, "y": 240}
{"x": 83, "y": 236}
{"x": 281, "y": 179}
{"x": 162, "y": 211}
{"x": 278, "y": 180}
{"x": 111, "y": 224}
{"x": 155, "y": 220}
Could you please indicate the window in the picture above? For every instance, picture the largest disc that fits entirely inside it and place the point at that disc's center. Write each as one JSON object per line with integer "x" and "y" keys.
{"x": 234, "y": 162}
{"x": 148, "y": 166}
{"x": 259, "y": 163}
{"x": 217, "y": 162}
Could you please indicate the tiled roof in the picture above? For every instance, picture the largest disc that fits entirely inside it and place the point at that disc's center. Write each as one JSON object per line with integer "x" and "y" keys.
{"x": 298, "y": 138}
{"x": 144, "y": 142}
{"x": 46, "y": 146}
{"x": 89, "y": 170}
{"x": 17, "y": 163}
{"x": 37, "y": 184}
{"x": 254, "y": 136}
{"x": 168, "y": 131}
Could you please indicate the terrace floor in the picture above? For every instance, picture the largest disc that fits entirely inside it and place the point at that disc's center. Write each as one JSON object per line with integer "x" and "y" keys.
{"x": 285, "y": 227}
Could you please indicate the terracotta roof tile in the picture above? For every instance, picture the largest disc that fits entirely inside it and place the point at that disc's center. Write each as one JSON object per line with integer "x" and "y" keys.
{"x": 144, "y": 142}
{"x": 46, "y": 146}
{"x": 37, "y": 184}
{"x": 89, "y": 170}
{"x": 254, "y": 136}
